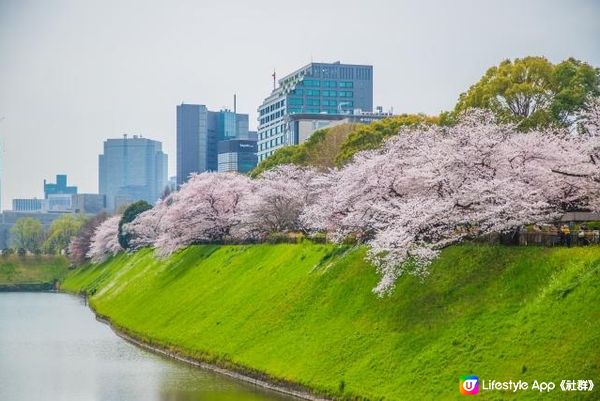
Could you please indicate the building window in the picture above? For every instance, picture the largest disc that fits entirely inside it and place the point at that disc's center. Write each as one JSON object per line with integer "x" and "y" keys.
{"x": 346, "y": 84}
{"x": 311, "y": 82}
{"x": 313, "y": 102}
{"x": 329, "y": 93}
{"x": 313, "y": 92}
{"x": 295, "y": 101}
{"x": 345, "y": 93}
{"x": 329, "y": 84}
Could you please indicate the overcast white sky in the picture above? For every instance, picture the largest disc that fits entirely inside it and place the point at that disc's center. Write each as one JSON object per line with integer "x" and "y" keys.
{"x": 75, "y": 72}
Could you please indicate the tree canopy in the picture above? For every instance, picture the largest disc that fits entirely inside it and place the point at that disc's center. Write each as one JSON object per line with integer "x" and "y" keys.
{"x": 372, "y": 136}
{"x": 335, "y": 146}
{"x": 320, "y": 150}
{"x": 80, "y": 243}
{"x": 428, "y": 187}
{"x": 129, "y": 214}
{"x": 27, "y": 234}
{"x": 532, "y": 92}
{"x": 61, "y": 231}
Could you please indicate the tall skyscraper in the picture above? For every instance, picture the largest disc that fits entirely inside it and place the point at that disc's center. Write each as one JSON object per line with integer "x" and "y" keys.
{"x": 315, "y": 89}
{"x": 132, "y": 169}
{"x": 198, "y": 133}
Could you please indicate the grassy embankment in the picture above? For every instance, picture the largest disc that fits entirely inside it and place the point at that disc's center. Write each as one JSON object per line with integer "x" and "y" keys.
{"x": 306, "y": 314}
{"x": 31, "y": 272}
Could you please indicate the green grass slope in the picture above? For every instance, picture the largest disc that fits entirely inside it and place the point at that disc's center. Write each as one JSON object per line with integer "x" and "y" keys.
{"x": 16, "y": 270}
{"x": 305, "y": 313}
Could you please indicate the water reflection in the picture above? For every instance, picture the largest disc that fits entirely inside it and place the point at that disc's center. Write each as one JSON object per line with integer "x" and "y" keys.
{"x": 52, "y": 348}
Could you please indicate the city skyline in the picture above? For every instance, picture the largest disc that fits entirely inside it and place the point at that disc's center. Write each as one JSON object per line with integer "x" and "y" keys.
{"x": 74, "y": 74}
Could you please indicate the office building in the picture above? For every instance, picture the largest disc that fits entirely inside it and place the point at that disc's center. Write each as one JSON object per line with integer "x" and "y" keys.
{"x": 316, "y": 89}
{"x": 27, "y": 205}
{"x": 57, "y": 203}
{"x": 198, "y": 133}
{"x": 58, "y": 188}
{"x": 237, "y": 155}
{"x": 132, "y": 169}
{"x": 88, "y": 203}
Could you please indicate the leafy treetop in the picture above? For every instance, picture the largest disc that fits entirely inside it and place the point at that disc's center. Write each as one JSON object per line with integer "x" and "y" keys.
{"x": 128, "y": 216}
{"x": 532, "y": 92}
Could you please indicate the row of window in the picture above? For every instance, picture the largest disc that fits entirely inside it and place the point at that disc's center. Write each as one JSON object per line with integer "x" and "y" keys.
{"x": 274, "y": 106}
{"x": 310, "y": 110}
{"x": 272, "y": 117}
{"x": 317, "y": 102}
{"x": 324, "y": 93}
{"x": 273, "y": 142}
{"x": 326, "y": 84}
{"x": 270, "y": 132}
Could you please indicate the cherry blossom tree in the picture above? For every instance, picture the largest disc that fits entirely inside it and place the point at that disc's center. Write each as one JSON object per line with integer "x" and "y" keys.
{"x": 145, "y": 229}
{"x": 433, "y": 186}
{"x": 204, "y": 210}
{"x": 280, "y": 197}
{"x": 427, "y": 187}
{"x": 105, "y": 241}
{"x": 80, "y": 244}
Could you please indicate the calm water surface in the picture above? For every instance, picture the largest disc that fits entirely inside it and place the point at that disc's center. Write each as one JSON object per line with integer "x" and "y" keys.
{"x": 52, "y": 348}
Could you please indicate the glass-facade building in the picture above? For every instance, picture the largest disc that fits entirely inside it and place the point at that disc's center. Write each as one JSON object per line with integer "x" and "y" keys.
{"x": 317, "y": 88}
{"x": 199, "y": 132}
{"x": 132, "y": 169}
{"x": 237, "y": 155}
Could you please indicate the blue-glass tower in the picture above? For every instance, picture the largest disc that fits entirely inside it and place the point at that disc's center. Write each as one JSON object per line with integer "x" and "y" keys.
{"x": 198, "y": 133}
{"x": 317, "y": 88}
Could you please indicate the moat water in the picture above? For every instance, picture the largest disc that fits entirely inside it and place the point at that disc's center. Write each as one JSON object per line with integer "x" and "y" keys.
{"x": 53, "y": 348}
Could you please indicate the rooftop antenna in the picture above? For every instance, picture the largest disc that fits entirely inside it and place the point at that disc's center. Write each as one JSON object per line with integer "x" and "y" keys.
{"x": 274, "y": 75}
{"x": 235, "y": 127}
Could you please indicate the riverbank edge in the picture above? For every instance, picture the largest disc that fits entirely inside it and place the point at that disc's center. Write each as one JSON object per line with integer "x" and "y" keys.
{"x": 233, "y": 371}
{"x": 29, "y": 287}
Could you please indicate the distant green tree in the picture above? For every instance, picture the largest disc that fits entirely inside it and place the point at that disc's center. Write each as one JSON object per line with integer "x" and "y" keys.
{"x": 129, "y": 214}
{"x": 295, "y": 154}
{"x": 27, "y": 234}
{"x": 532, "y": 92}
{"x": 320, "y": 150}
{"x": 372, "y": 136}
{"x": 61, "y": 231}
